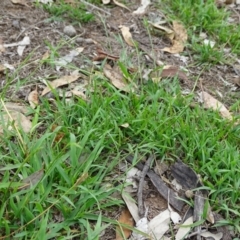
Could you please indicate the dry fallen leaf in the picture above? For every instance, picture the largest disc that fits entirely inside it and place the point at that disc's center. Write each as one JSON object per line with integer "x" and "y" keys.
{"x": 63, "y": 61}
{"x": 32, "y": 180}
{"x": 142, "y": 226}
{"x": 10, "y": 118}
{"x": 180, "y": 38}
{"x": 169, "y": 71}
{"x": 2, "y": 49}
{"x": 210, "y": 102}
{"x": 59, "y": 82}
{"x": 46, "y": 55}
{"x": 33, "y": 98}
{"x": 79, "y": 94}
{"x": 168, "y": 31}
{"x": 22, "y": 45}
{"x": 125, "y": 218}
{"x": 210, "y": 216}
{"x": 45, "y": 1}
{"x": 20, "y": 2}
{"x": 142, "y": 8}
{"x": 106, "y": 1}
{"x": 131, "y": 205}
{"x": 208, "y": 235}
{"x": 60, "y": 135}
{"x": 11, "y": 106}
{"x": 115, "y": 77}
{"x": 184, "y": 229}
{"x": 127, "y": 35}
{"x": 125, "y": 125}
{"x": 173, "y": 71}
{"x": 121, "y": 5}
{"x": 101, "y": 55}
{"x": 2, "y": 68}
{"x": 160, "y": 224}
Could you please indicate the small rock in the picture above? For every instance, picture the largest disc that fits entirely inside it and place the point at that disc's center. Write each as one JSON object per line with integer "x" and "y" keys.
{"x": 89, "y": 41}
{"x": 16, "y": 24}
{"x": 70, "y": 31}
{"x": 80, "y": 40}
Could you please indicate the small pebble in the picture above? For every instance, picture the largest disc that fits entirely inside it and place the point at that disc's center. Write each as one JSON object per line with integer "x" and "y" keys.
{"x": 70, "y": 31}
{"x": 80, "y": 40}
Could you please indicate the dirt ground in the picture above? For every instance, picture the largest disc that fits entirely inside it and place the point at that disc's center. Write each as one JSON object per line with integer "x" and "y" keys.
{"x": 18, "y": 21}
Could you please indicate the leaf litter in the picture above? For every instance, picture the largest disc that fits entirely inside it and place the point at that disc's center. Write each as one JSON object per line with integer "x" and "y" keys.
{"x": 59, "y": 82}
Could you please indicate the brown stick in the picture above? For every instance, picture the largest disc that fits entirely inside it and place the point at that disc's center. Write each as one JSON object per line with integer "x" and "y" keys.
{"x": 140, "y": 187}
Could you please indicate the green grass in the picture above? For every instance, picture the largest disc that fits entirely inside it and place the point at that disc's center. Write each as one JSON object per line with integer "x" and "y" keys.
{"x": 76, "y": 13}
{"x": 161, "y": 121}
{"x": 74, "y": 195}
{"x": 204, "y": 16}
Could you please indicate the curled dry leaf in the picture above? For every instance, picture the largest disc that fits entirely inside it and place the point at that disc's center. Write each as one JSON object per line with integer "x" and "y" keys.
{"x": 210, "y": 216}
{"x": 125, "y": 218}
{"x": 121, "y": 5}
{"x": 168, "y": 31}
{"x": 14, "y": 119}
{"x": 180, "y": 38}
{"x": 101, "y": 55}
{"x": 20, "y": 2}
{"x": 115, "y": 77}
{"x": 33, "y": 98}
{"x": 127, "y": 35}
{"x": 210, "y": 102}
{"x": 59, "y": 82}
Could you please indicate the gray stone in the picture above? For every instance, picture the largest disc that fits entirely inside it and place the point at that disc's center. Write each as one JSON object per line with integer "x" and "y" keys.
{"x": 70, "y": 31}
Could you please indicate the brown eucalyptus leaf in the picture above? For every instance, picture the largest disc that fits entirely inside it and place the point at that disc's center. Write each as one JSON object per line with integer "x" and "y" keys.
{"x": 33, "y": 98}
{"x": 180, "y": 38}
{"x": 115, "y": 77}
{"x": 14, "y": 119}
{"x": 125, "y": 218}
{"x": 127, "y": 35}
{"x": 210, "y": 102}
{"x": 59, "y": 82}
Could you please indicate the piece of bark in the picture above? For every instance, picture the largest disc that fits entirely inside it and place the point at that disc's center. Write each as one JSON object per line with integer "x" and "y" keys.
{"x": 184, "y": 175}
{"x": 140, "y": 186}
{"x": 198, "y": 212}
{"x": 161, "y": 187}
